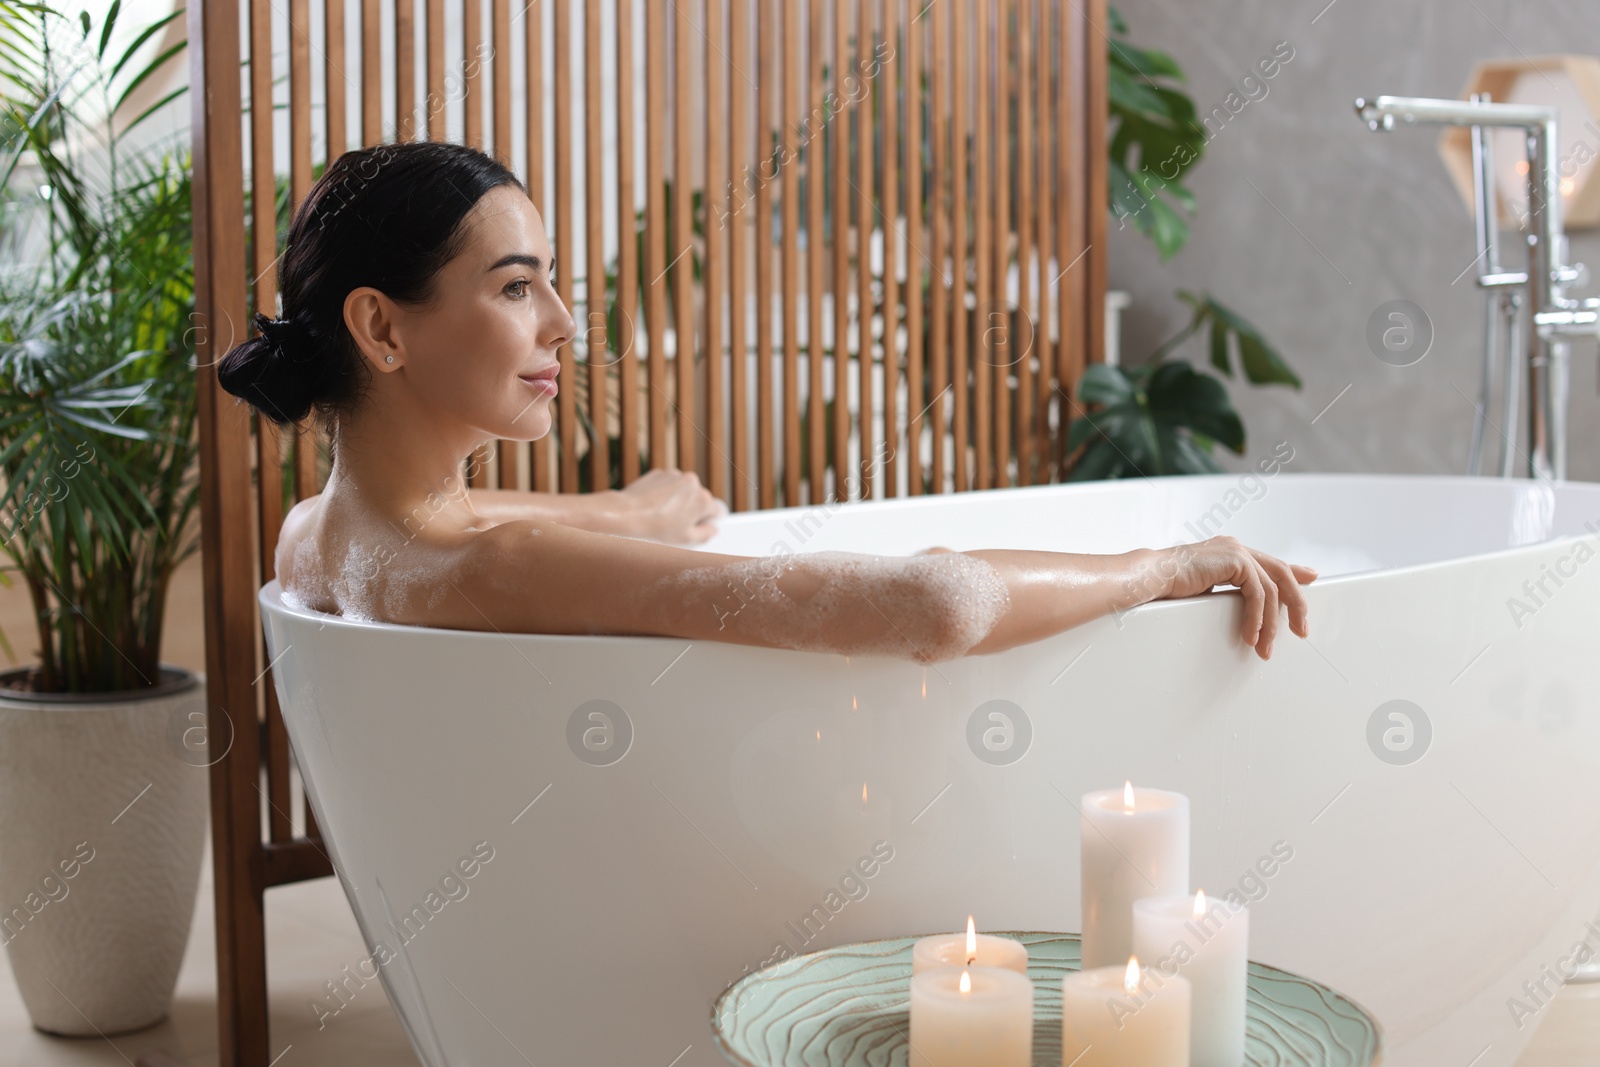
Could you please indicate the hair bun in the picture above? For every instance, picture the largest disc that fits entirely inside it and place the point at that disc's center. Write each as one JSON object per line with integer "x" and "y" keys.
{"x": 286, "y": 336}
{"x": 275, "y": 372}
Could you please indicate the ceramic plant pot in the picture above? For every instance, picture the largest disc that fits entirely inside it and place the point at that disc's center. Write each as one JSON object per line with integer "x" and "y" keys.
{"x": 102, "y": 827}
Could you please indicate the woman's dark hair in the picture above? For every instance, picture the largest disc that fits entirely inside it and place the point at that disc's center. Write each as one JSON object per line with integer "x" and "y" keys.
{"x": 389, "y": 217}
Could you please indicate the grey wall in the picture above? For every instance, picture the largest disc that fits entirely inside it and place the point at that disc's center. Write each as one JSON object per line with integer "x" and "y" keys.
{"x": 1377, "y": 218}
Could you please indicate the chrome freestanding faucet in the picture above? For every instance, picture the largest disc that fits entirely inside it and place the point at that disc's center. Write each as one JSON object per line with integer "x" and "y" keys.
{"x": 1541, "y": 317}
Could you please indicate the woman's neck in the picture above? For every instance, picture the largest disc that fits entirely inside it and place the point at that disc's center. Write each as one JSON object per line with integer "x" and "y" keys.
{"x": 395, "y": 475}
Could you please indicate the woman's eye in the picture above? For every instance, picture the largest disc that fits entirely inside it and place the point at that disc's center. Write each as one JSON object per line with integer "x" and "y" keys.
{"x": 521, "y": 284}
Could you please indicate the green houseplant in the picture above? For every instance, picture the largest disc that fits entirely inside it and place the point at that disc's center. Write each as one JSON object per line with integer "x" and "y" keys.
{"x": 1163, "y": 416}
{"x": 102, "y": 808}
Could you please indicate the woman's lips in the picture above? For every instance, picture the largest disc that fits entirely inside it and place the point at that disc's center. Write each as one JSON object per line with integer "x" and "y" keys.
{"x": 544, "y": 382}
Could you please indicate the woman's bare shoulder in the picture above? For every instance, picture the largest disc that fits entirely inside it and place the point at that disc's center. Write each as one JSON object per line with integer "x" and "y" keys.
{"x": 296, "y": 561}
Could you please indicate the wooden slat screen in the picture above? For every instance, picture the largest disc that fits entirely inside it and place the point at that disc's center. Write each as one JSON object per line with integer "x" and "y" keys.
{"x": 817, "y": 249}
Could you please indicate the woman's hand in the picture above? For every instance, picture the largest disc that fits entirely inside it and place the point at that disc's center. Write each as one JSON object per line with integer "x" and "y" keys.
{"x": 670, "y": 506}
{"x": 1266, "y": 582}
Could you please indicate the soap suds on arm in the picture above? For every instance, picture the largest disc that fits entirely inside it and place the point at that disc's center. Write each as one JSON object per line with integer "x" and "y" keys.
{"x": 927, "y": 608}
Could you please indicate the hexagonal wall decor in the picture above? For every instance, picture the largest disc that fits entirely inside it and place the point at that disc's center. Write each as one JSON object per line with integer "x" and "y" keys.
{"x": 1571, "y": 84}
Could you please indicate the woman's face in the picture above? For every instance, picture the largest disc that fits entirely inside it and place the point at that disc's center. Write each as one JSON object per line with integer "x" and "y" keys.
{"x": 494, "y": 324}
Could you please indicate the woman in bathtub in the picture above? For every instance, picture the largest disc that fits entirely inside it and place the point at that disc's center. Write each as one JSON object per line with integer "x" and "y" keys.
{"x": 420, "y": 320}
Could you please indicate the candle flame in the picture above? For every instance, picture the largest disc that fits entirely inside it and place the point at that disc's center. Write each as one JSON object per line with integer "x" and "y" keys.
{"x": 966, "y": 982}
{"x": 863, "y": 792}
{"x": 924, "y": 685}
{"x": 1130, "y": 980}
{"x": 853, "y": 705}
{"x": 819, "y": 735}
{"x": 972, "y": 940}
{"x": 1127, "y": 796}
{"x": 1200, "y": 903}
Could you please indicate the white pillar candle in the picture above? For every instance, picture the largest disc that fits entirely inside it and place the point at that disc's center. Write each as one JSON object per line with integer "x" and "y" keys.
{"x": 1135, "y": 844}
{"x": 971, "y": 1017}
{"x": 969, "y": 949}
{"x": 1206, "y": 940}
{"x": 1121, "y": 1016}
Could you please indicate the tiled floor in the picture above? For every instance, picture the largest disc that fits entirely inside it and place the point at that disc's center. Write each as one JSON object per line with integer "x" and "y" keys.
{"x": 311, "y": 935}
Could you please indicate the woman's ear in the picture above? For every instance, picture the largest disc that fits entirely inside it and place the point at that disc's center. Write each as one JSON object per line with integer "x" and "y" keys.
{"x": 371, "y": 318}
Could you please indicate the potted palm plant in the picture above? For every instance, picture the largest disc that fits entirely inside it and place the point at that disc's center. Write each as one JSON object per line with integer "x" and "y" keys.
{"x": 102, "y": 804}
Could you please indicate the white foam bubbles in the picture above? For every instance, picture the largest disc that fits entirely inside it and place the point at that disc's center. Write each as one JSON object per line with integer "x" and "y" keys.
{"x": 927, "y": 608}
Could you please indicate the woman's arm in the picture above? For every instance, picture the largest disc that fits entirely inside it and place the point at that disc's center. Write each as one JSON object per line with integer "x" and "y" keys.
{"x": 529, "y": 577}
{"x": 1054, "y": 591}
{"x": 663, "y": 505}
{"x": 600, "y": 512}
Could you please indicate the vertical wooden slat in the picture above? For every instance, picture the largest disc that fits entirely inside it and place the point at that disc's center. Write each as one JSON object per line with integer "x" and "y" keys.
{"x": 405, "y": 71}
{"x": 628, "y": 249}
{"x": 567, "y": 399}
{"x": 866, "y": 222}
{"x": 984, "y": 150}
{"x": 1094, "y": 181}
{"x": 1043, "y": 340}
{"x": 225, "y": 499}
{"x": 500, "y": 61}
{"x": 597, "y": 352}
{"x": 942, "y": 191}
{"x": 891, "y": 257}
{"x": 738, "y": 267}
{"x": 371, "y": 74}
{"x": 960, "y": 198}
{"x": 816, "y": 249}
{"x": 1072, "y": 231}
{"x": 435, "y": 44}
{"x": 839, "y": 141}
{"x": 472, "y": 73}
{"x": 335, "y": 86}
{"x": 917, "y": 264}
{"x": 766, "y": 98}
{"x": 263, "y": 179}
{"x": 791, "y": 252}
{"x": 683, "y": 349}
{"x": 716, "y": 233}
{"x": 1020, "y": 355}
{"x": 539, "y": 477}
{"x": 655, "y": 295}
{"x": 1000, "y": 348}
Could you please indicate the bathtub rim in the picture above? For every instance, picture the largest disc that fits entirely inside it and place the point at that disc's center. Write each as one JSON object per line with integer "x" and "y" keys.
{"x": 269, "y": 595}
{"x": 1126, "y": 484}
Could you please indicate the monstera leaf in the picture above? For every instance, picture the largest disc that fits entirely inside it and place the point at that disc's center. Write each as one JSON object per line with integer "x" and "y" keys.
{"x": 1154, "y": 140}
{"x": 1230, "y": 333}
{"x": 1160, "y": 418}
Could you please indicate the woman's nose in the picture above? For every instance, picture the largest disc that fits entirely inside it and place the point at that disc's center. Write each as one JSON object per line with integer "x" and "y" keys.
{"x": 561, "y": 326}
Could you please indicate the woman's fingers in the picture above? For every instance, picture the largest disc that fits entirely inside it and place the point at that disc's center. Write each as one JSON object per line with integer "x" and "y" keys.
{"x": 1269, "y": 611}
{"x": 1250, "y": 584}
{"x": 1288, "y": 586}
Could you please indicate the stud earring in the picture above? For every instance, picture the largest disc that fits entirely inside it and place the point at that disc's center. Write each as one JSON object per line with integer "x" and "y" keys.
{"x": 388, "y": 359}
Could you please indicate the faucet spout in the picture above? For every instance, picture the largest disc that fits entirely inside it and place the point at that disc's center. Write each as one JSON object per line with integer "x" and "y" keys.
{"x": 1381, "y": 113}
{"x": 1547, "y": 276}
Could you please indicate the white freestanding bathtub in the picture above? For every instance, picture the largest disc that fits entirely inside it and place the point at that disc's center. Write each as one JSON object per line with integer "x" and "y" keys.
{"x": 561, "y": 849}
